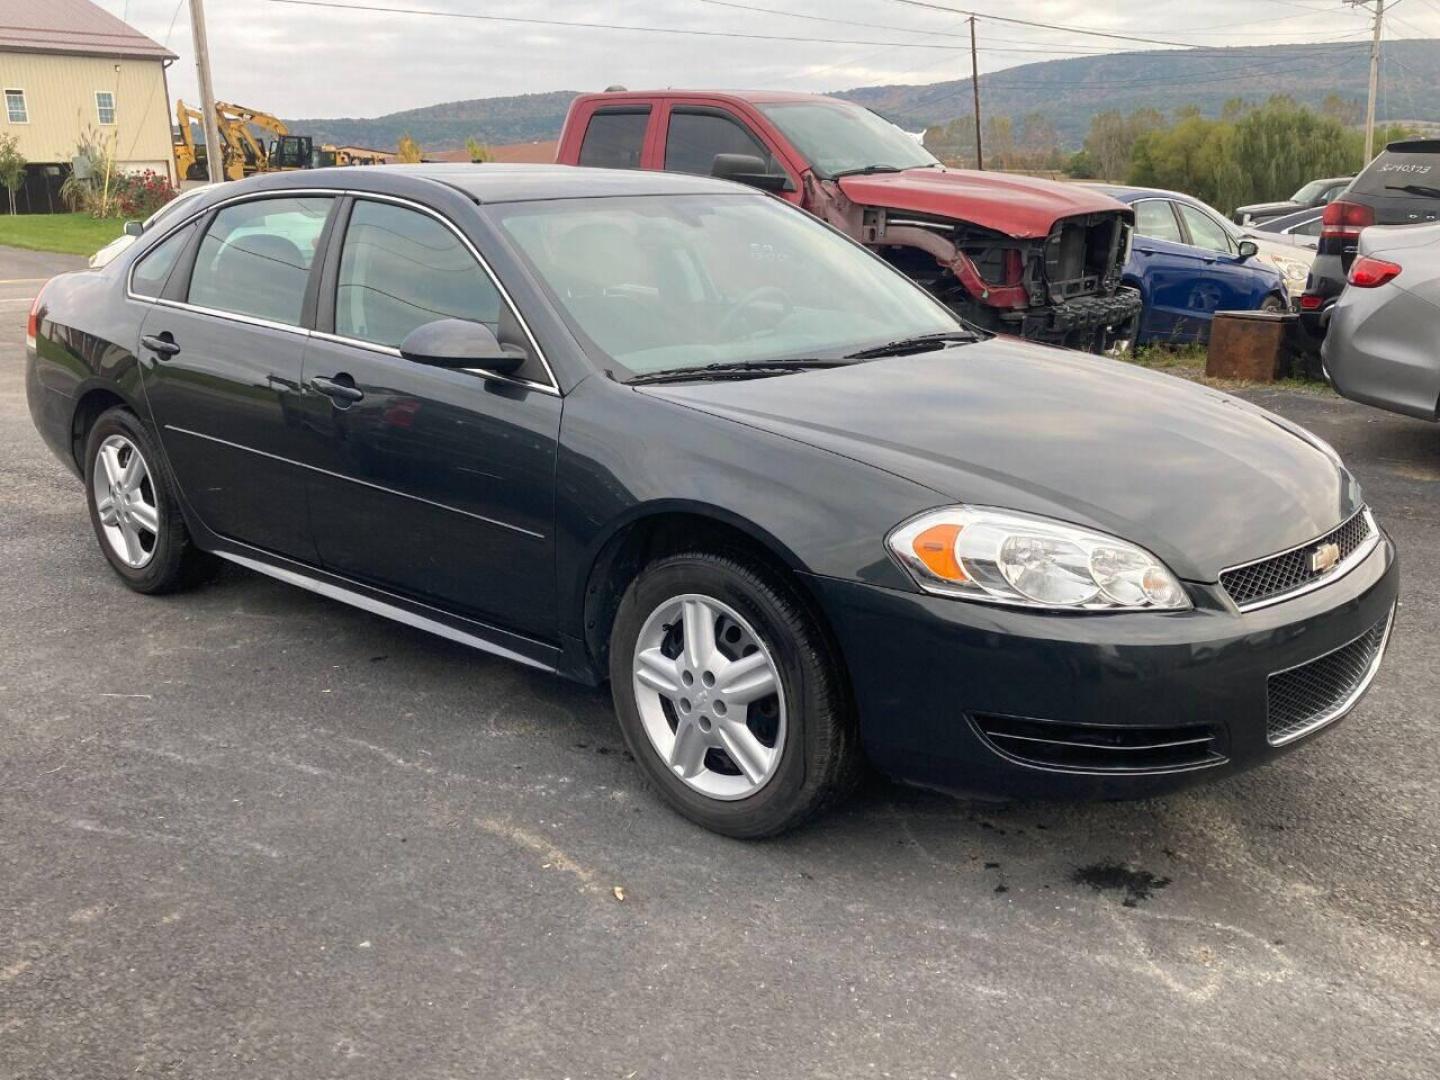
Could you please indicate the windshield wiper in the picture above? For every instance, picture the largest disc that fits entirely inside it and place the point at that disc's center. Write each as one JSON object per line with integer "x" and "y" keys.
{"x": 918, "y": 343}
{"x": 738, "y": 369}
{"x": 1415, "y": 189}
{"x": 867, "y": 170}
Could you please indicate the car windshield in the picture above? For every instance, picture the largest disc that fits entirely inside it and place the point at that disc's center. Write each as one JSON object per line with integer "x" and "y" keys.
{"x": 685, "y": 281}
{"x": 837, "y": 137}
{"x": 1310, "y": 191}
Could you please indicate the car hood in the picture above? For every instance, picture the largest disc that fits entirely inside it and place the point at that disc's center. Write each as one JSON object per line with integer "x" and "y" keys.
{"x": 1201, "y": 479}
{"x": 1014, "y": 205}
{"x": 1277, "y": 208}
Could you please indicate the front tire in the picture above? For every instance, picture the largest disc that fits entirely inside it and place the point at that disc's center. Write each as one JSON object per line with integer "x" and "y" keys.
{"x": 730, "y": 696}
{"x": 134, "y": 508}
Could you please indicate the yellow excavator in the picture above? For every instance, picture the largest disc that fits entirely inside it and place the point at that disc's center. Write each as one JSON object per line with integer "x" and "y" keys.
{"x": 244, "y": 153}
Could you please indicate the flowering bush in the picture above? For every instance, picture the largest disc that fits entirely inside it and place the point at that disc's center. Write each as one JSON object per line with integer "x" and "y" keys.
{"x": 138, "y": 195}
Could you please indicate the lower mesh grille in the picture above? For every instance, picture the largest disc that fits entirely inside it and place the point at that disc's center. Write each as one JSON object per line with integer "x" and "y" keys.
{"x": 1310, "y": 696}
{"x": 1101, "y": 748}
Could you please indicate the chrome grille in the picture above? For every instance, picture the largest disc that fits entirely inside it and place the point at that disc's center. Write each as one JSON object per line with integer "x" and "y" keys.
{"x": 1310, "y": 696}
{"x": 1265, "y": 580}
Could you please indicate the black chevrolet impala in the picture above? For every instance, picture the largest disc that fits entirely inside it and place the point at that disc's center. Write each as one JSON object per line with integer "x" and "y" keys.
{"x": 673, "y": 433}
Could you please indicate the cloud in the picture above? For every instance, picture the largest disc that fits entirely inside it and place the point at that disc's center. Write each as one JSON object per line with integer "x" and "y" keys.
{"x": 298, "y": 61}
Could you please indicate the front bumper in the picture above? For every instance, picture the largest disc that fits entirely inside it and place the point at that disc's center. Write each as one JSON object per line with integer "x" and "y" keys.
{"x": 1083, "y": 315}
{"x": 928, "y": 673}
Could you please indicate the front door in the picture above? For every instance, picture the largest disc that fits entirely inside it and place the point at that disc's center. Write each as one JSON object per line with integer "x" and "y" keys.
{"x": 434, "y": 483}
{"x": 222, "y": 352}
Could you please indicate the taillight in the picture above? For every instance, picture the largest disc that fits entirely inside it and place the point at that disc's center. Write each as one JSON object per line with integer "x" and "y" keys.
{"x": 32, "y": 324}
{"x": 1366, "y": 272}
{"x": 1312, "y": 302}
{"x": 1344, "y": 220}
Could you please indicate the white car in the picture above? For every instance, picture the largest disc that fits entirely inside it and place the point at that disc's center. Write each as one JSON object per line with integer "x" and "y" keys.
{"x": 135, "y": 229}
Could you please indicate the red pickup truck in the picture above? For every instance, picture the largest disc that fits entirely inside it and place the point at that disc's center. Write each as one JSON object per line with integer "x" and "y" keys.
{"x": 1010, "y": 253}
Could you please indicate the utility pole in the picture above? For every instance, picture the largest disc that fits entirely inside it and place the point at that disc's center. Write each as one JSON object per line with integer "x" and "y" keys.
{"x": 975, "y": 85}
{"x": 1374, "y": 79}
{"x": 214, "y": 152}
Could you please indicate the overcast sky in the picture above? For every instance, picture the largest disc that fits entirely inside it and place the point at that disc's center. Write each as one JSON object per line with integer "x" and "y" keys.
{"x": 314, "y": 61}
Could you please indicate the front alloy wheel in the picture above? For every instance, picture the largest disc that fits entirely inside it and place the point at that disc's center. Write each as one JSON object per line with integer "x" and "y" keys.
{"x": 730, "y": 694}
{"x": 709, "y": 696}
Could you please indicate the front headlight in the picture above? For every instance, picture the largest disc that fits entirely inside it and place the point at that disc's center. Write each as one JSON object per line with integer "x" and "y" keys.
{"x": 1007, "y": 557}
{"x": 1292, "y": 270}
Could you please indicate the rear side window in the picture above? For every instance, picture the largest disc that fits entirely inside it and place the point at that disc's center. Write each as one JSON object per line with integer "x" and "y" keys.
{"x": 1309, "y": 228}
{"x": 694, "y": 138}
{"x": 255, "y": 258}
{"x": 614, "y": 138}
{"x": 1155, "y": 219}
{"x": 1400, "y": 173}
{"x": 400, "y": 269}
{"x": 153, "y": 269}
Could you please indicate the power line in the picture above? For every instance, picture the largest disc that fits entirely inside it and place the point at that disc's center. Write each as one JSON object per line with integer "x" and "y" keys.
{"x": 530, "y": 21}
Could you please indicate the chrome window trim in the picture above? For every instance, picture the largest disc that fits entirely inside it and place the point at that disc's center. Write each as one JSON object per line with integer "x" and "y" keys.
{"x": 551, "y": 387}
{"x": 1337, "y": 711}
{"x": 363, "y": 483}
{"x": 1354, "y": 559}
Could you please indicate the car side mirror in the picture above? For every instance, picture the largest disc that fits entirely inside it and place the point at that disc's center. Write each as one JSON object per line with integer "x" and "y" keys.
{"x": 750, "y": 170}
{"x": 134, "y": 228}
{"x": 1248, "y": 249}
{"x": 460, "y": 343}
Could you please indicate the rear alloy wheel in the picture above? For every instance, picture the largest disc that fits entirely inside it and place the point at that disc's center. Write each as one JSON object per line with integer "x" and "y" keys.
{"x": 134, "y": 508}
{"x": 730, "y": 696}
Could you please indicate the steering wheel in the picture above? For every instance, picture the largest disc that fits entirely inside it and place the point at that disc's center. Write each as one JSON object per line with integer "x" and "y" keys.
{"x": 732, "y": 319}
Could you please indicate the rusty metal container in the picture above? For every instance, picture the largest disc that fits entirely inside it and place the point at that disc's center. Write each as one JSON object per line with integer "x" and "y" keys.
{"x": 1247, "y": 345}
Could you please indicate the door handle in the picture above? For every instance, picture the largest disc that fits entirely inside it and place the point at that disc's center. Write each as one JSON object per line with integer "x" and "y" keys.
{"x": 162, "y": 346}
{"x": 346, "y": 392}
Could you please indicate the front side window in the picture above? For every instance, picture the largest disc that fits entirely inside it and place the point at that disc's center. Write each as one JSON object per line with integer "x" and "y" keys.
{"x": 105, "y": 106}
{"x": 837, "y": 137}
{"x": 683, "y": 281}
{"x": 1155, "y": 219}
{"x": 1205, "y": 231}
{"x": 153, "y": 269}
{"x": 400, "y": 269}
{"x": 15, "y": 109}
{"x": 255, "y": 258}
{"x": 694, "y": 138}
{"x": 614, "y": 138}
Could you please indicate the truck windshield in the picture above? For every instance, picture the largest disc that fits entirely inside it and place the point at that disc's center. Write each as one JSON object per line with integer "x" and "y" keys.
{"x": 1310, "y": 191}
{"x": 837, "y": 137}
{"x": 662, "y": 282}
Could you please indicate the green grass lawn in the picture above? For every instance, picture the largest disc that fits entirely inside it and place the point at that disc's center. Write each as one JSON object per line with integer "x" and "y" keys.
{"x": 1188, "y": 362}
{"x": 71, "y": 234}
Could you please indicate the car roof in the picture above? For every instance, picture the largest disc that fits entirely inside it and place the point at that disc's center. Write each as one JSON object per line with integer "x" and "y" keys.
{"x": 492, "y": 182}
{"x": 754, "y": 97}
{"x": 1128, "y": 193}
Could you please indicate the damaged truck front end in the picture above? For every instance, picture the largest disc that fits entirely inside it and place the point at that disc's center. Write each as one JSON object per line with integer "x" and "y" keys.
{"x": 1062, "y": 288}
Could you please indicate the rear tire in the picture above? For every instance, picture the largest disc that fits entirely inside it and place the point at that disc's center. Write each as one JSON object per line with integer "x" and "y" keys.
{"x": 134, "y": 508}
{"x": 730, "y": 696}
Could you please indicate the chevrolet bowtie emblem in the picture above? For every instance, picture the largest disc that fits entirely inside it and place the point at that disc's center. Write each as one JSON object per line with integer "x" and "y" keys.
{"x": 1324, "y": 558}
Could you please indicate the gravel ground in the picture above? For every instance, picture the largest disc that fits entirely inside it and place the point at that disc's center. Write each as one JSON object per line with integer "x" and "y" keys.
{"x": 247, "y": 832}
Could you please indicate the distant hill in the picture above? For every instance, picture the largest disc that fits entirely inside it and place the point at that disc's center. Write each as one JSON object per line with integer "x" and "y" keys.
{"x": 1069, "y": 92}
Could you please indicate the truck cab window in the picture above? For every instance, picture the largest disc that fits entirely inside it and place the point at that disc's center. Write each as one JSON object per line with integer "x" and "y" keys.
{"x": 614, "y": 138}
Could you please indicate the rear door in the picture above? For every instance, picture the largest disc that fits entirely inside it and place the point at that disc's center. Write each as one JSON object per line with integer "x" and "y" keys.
{"x": 222, "y": 349}
{"x": 436, "y": 484}
{"x": 615, "y": 137}
{"x": 1165, "y": 265}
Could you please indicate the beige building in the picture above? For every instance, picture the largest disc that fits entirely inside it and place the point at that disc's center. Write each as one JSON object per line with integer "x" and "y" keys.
{"x": 69, "y": 70}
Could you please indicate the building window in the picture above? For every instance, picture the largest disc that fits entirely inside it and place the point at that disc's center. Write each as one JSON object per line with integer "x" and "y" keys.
{"x": 15, "y": 107}
{"x": 105, "y": 106}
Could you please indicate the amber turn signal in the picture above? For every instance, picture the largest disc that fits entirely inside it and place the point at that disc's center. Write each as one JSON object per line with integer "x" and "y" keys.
{"x": 935, "y": 547}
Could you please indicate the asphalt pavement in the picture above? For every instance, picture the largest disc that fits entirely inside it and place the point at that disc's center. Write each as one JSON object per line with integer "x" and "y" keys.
{"x": 248, "y": 832}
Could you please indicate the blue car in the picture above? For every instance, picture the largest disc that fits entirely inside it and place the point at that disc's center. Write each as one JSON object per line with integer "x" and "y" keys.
{"x": 1188, "y": 263}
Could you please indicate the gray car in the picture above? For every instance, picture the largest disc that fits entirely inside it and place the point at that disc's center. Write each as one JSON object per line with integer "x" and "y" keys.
{"x": 1380, "y": 345}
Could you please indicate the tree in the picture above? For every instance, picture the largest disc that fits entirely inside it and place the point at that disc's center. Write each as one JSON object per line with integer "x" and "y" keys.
{"x": 1112, "y": 138}
{"x": 999, "y": 148}
{"x": 12, "y": 167}
{"x": 407, "y": 150}
{"x": 1082, "y": 166}
{"x": 479, "y": 152}
{"x": 1348, "y": 111}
